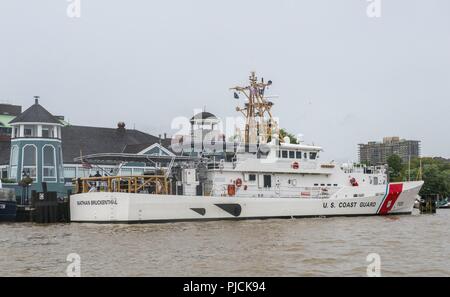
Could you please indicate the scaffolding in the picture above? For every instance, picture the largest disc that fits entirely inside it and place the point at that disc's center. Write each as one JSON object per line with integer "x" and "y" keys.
{"x": 152, "y": 184}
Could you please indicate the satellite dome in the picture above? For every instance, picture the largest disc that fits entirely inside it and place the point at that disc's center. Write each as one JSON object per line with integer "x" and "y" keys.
{"x": 203, "y": 117}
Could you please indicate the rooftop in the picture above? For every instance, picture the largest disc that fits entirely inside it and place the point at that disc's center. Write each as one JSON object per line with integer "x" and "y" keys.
{"x": 203, "y": 116}
{"x": 84, "y": 140}
{"x": 36, "y": 114}
{"x": 10, "y": 109}
{"x": 78, "y": 140}
{"x": 388, "y": 140}
{"x": 5, "y": 120}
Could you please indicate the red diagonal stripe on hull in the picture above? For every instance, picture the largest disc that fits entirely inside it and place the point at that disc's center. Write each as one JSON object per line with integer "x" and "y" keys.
{"x": 394, "y": 191}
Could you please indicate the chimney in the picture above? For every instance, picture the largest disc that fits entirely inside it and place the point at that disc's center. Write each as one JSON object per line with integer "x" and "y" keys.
{"x": 165, "y": 135}
{"x": 121, "y": 126}
{"x": 36, "y": 99}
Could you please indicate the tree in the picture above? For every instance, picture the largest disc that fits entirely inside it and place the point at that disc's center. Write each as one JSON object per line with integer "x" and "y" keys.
{"x": 435, "y": 172}
{"x": 292, "y": 138}
{"x": 435, "y": 181}
{"x": 395, "y": 167}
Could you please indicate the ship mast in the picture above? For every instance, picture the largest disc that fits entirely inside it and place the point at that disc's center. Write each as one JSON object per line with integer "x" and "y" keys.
{"x": 259, "y": 122}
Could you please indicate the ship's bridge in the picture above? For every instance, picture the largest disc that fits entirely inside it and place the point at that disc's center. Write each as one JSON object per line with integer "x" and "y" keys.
{"x": 298, "y": 151}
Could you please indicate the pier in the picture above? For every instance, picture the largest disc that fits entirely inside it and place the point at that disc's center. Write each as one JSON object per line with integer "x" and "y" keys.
{"x": 428, "y": 204}
{"x": 44, "y": 208}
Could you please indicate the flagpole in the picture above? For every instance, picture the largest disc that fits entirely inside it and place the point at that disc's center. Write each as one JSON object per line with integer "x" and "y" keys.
{"x": 409, "y": 167}
{"x": 81, "y": 159}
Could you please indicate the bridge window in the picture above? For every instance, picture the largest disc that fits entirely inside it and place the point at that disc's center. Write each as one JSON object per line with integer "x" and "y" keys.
{"x": 284, "y": 154}
{"x": 312, "y": 155}
{"x": 291, "y": 154}
{"x": 298, "y": 155}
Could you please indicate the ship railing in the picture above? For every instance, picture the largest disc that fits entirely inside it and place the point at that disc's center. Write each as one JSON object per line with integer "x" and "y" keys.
{"x": 359, "y": 168}
{"x": 152, "y": 184}
{"x": 319, "y": 192}
{"x": 169, "y": 168}
{"x": 220, "y": 164}
{"x": 214, "y": 165}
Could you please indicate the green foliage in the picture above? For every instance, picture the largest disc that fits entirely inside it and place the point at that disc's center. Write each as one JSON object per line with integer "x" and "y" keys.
{"x": 395, "y": 164}
{"x": 436, "y": 182}
{"x": 26, "y": 181}
{"x": 8, "y": 181}
{"x": 293, "y": 139}
{"x": 435, "y": 173}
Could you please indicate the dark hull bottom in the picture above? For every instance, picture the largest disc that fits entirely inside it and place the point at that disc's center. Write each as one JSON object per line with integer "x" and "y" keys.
{"x": 7, "y": 218}
{"x": 233, "y": 219}
{"x": 8, "y": 211}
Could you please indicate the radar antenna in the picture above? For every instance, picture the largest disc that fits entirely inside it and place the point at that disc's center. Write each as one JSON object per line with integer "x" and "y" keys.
{"x": 259, "y": 122}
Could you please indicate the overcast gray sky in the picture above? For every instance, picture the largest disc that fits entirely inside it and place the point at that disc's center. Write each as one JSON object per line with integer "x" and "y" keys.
{"x": 343, "y": 78}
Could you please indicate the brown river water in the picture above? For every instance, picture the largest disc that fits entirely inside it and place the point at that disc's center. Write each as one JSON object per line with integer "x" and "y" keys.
{"x": 408, "y": 245}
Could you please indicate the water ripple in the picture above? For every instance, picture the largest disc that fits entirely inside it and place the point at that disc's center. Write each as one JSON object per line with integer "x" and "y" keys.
{"x": 413, "y": 245}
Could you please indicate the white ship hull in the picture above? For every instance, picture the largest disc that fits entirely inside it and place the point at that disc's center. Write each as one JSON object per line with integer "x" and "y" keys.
{"x": 113, "y": 207}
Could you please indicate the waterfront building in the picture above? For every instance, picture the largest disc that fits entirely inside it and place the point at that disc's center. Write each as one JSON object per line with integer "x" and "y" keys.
{"x": 36, "y": 148}
{"x": 377, "y": 153}
{"x": 37, "y": 144}
{"x": 7, "y": 113}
